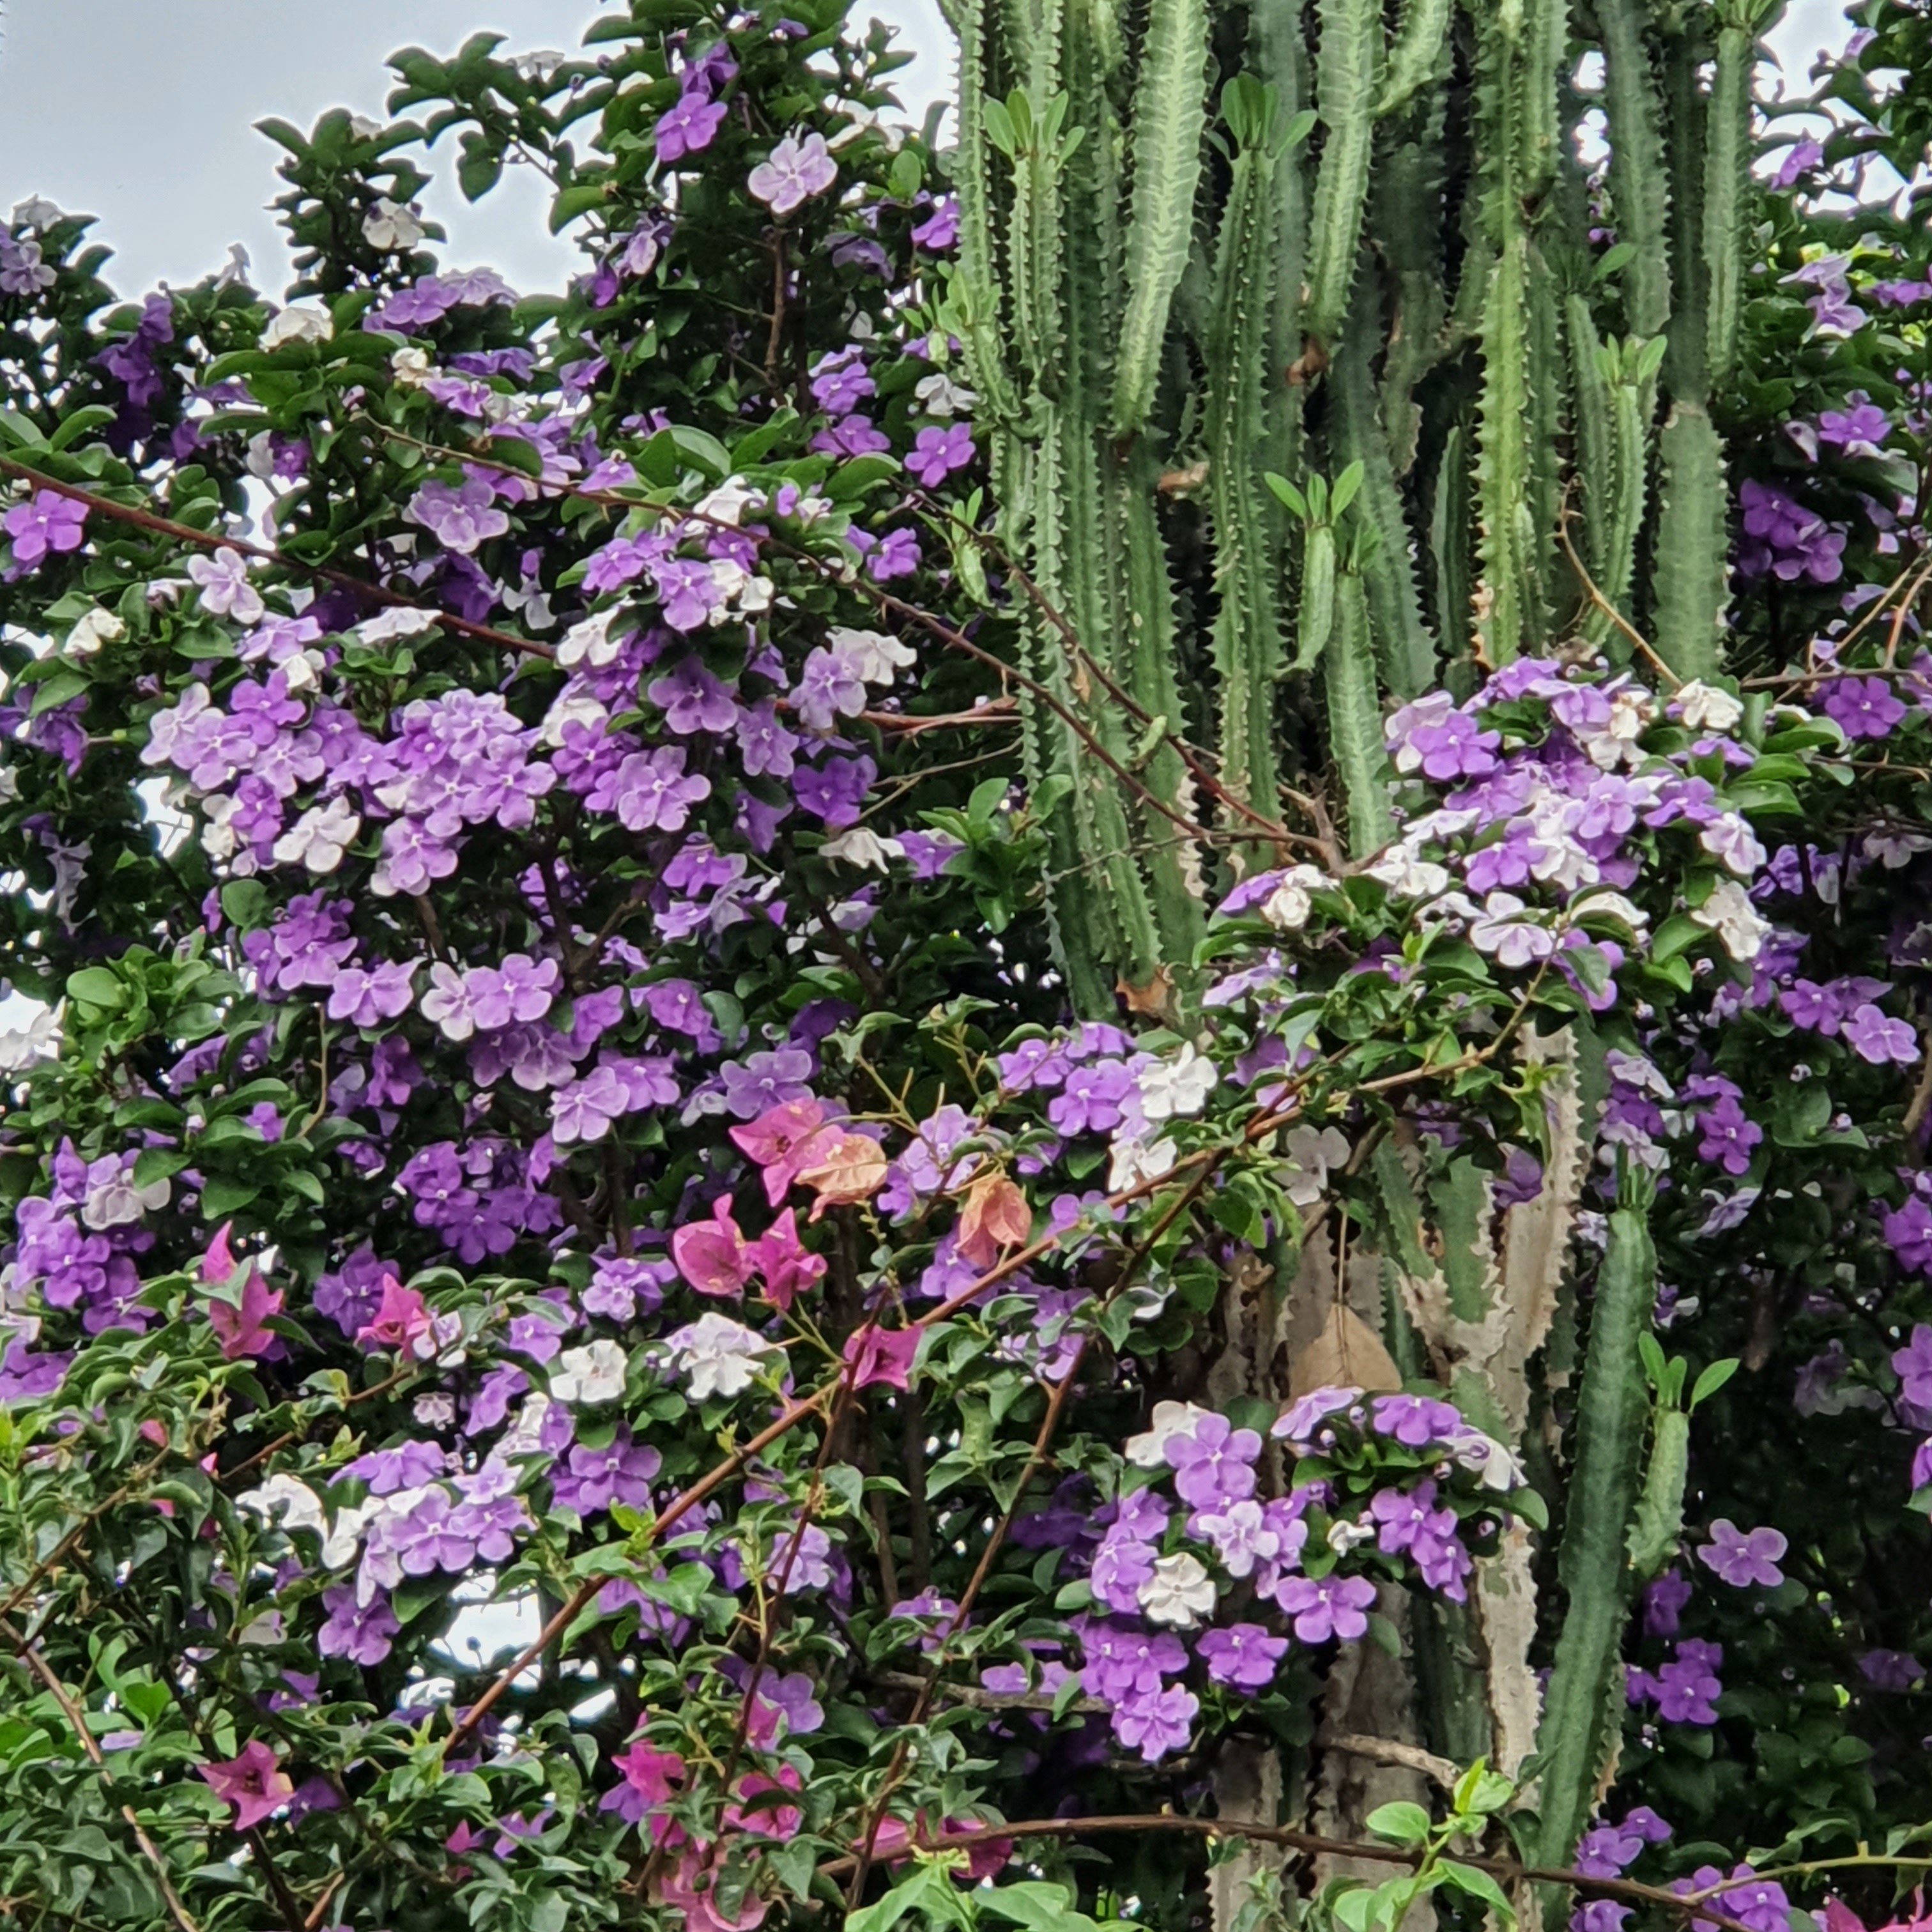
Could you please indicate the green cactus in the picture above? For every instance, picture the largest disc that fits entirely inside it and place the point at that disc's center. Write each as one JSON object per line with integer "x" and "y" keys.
{"x": 1612, "y": 1409}
{"x": 1162, "y": 309}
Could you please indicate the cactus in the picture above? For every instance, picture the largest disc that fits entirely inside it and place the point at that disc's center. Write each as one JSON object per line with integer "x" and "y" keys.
{"x": 1593, "y": 1564}
{"x": 1372, "y": 256}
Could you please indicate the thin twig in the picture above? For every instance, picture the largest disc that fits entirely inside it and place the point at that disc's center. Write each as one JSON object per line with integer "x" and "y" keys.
{"x": 77, "y": 1722}
{"x": 146, "y": 520}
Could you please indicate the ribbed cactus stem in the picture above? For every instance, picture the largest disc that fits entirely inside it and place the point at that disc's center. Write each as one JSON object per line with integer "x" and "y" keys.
{"x": 1170, "y": 114}
{"x": 1613, "y": 1405}
{"x": 1659, "y": 1509}
{"x": 1692, "y": 543}
{"x": 1404, "y": 649}
{"x": 1355, "y": 720}
{"x": 1348, "y": 80}
{"x": 1639, "y": 186}
{"x": 1727, "y": 180}
{"x": 1247, "y": 642}
{"x": 1418, "y": 56}
{"x": 1590, "y": 383}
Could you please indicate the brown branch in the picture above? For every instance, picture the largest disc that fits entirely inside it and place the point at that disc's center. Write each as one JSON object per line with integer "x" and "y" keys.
{"x": 77, "y": 1722}
{"x": 146, "y": 520}
{"x": 1441, "y": 1770}
{"x": 1689, "y": 1904}
{"x": 580, "y": 1599}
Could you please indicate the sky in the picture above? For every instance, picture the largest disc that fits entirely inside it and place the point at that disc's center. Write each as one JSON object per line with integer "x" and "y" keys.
{"x": 141, "y": 111}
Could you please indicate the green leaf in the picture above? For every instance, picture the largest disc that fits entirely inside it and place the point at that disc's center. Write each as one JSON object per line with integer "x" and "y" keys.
{"x": 1478, "y": 1884}
{"x": 1713, "y": 1378}
{"x": 1403, "y": 1823}
{"x": 96, "y": 986}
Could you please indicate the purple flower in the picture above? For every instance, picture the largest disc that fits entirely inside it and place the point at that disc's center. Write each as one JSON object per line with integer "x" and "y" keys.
{"x": 366, "y": 998}
{"x": 831, "y": 686}
{"x": 853, "y": 435}
{"x": 1335, "y": 1607}
{"x": 1914, "y": 1364}
{"x": 795, "y": 170}
{"x": 1873, "y": 1037}
{"x": 939, "y": 230}
{"x": 1686, "y": 1687}
{"x": 1664, "y": 1602}
{"x": 1092, "y": 1099}
{"x": 1243, "y": 1656}
{"x": 44, "y": 523}
{"x": 1861, "y": 707}
{"x": 592, "y": 1480}
{"x": 360, "y": 1632}
{"x": 1415, "y": 1420}
{"x": 1800, "y": 159}
{"x": 1891, "y": 1669}
{"x": 840, "y": 382}
{"x": 689, "y": 127}
{"x": 1154, "y": 1724}
{"x": 407, "y": 1466}
{"x": 460, "y": 516}
{"x": 1741, "y": 1558}
{"x": 1214, "y": 1463}
{"x": 937, "y": 453}
{"x": 650, "y": 789}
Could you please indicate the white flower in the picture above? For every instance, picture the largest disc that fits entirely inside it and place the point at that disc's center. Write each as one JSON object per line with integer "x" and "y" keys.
{"x": 729, "y": 501}
{"x": 1134, "y": 1160}
{"x": 98, "y": 627}
{"x": 300, "y": 1508}
{"x": 1148, "y": 1451}
{"x": 390, "y": 227}
{"x": 36, "y": 213}
{"x": 1729, "y": 914}
{"x": 410, "y": 368}
{"x": 589, "y": 641}
{"x": 1890, "y": 849}
{"x": 219, "y": 839}
{"x": 1407, "y": 874}
{"x": 434, "y": 1412}
{"x": 236, "y": 268}
{"x": 363, "y": 128}
{"x": 1727, "y": 837}
{"x": 115, "y": 1203}
{"x": 1600, "y": 903}
{"x": 862, "y": 846}
{"x": 1630, "y": 711}
{"x": 40, "y": 1039}
{"x": 1344, "y": 1536}
{"x": 225, "y": 591}
{"x": 302, "y": 672}
{"x": 1312, "y": 1152}
{"x": 1180, "y": 1592}
{"x": 298, "y": 325}
{"x": 878, "y": 657}
{"x": 720, "y": 1356}
{"x": 1703, "y": 707}
{"x": 1179, "y": 1086}
{"x": 400, "y": 620}
{"x": 1495, "y": 1463}
{"x": 579, "y": 707}
{"x": 319, "y": 838}
{"x": 524, "y": 1436}
{"x": 591, "y": 1375}
{"x": 1634, "y": 1069}
{"x": 1509, "y": 929}
{"x": 940, "y": 395}
{"x": 1287, "y": 908}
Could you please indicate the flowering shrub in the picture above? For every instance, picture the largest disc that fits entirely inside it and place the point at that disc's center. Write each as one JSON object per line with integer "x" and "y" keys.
{"x": 588, "y": 1335}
